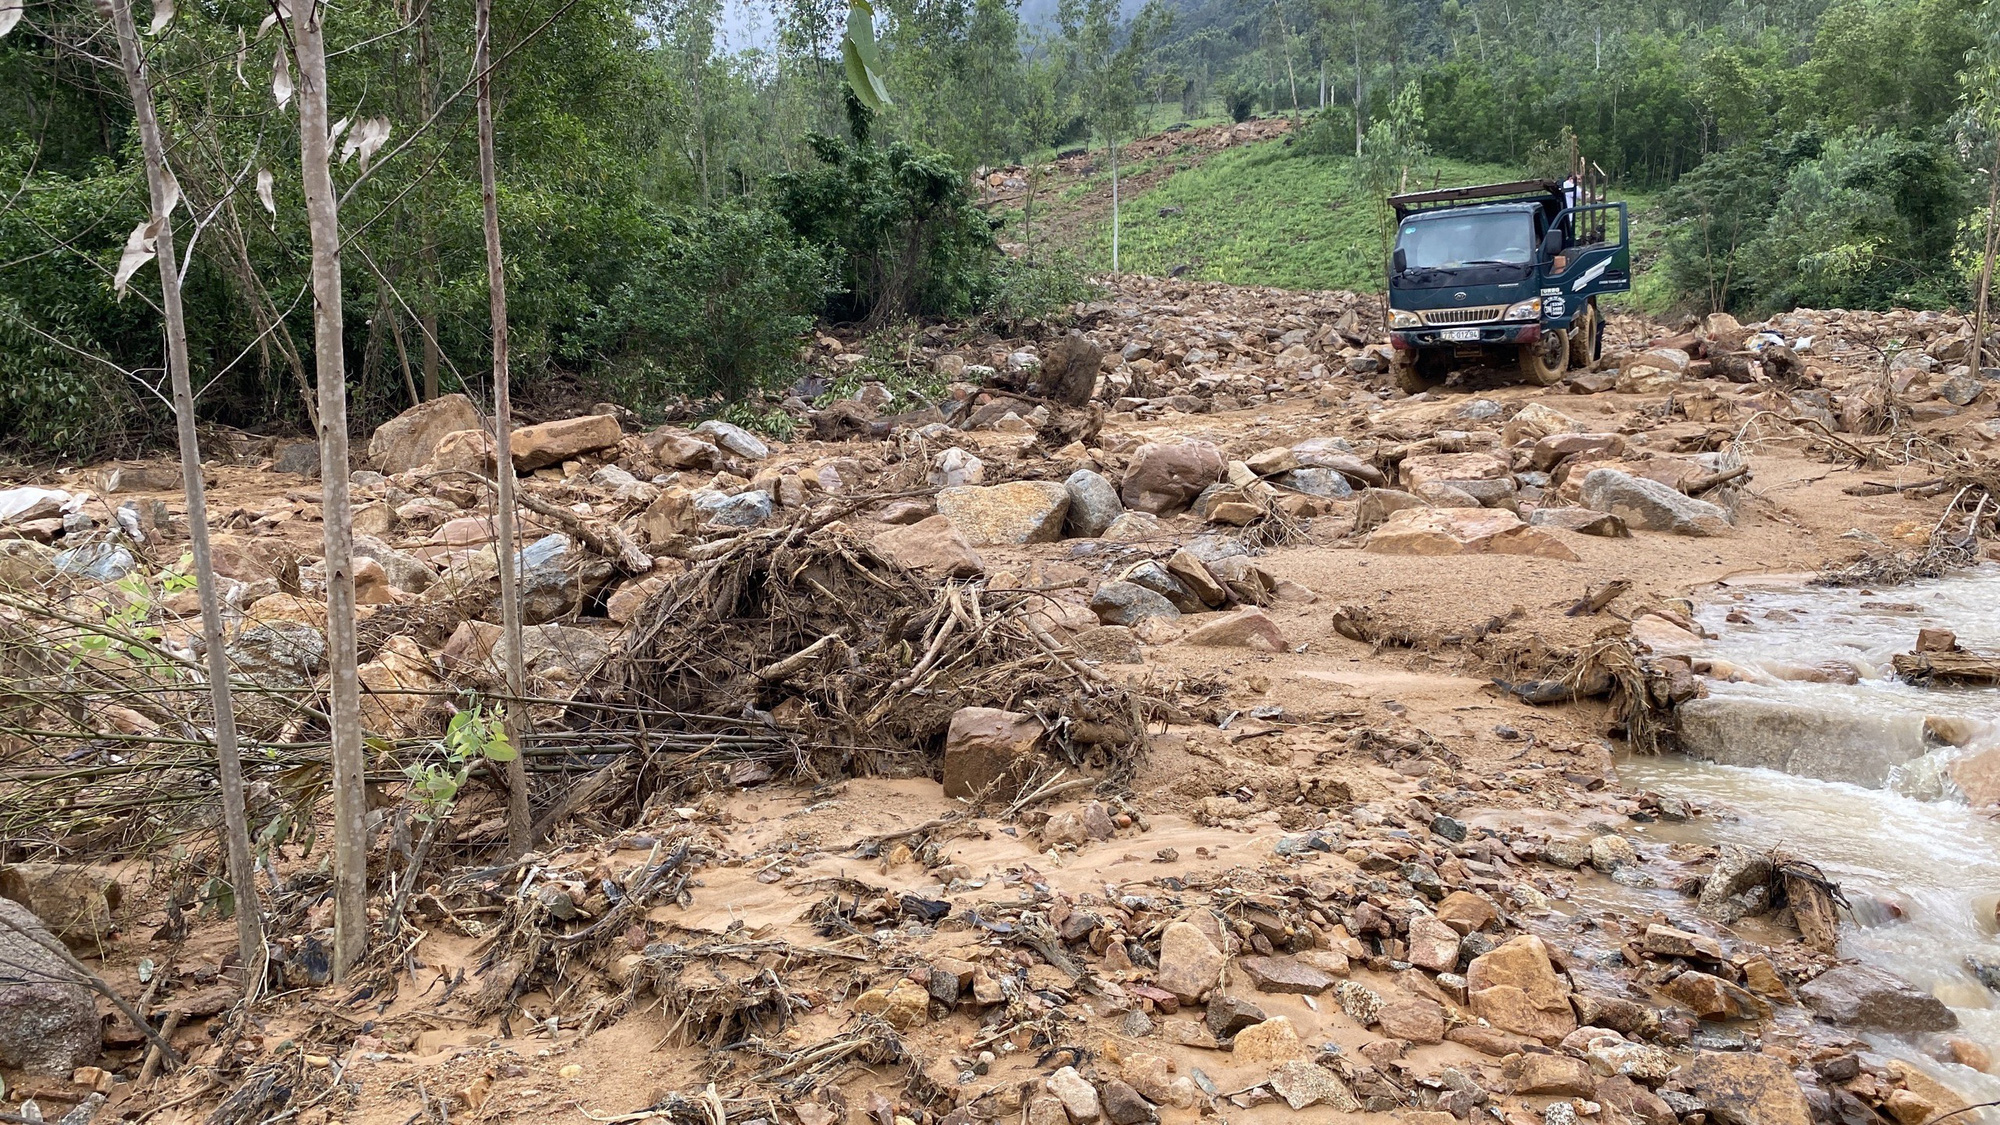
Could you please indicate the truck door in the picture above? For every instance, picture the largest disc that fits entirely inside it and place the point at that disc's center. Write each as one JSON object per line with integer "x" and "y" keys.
{"x": 1596, "y": 258}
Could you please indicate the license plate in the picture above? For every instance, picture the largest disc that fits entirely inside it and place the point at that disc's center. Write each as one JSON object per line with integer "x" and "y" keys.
{"x": 1460, "y": 335}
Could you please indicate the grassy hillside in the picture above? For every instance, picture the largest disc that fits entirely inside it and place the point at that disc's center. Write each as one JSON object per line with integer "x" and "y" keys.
{"x": 1260, "y": 215}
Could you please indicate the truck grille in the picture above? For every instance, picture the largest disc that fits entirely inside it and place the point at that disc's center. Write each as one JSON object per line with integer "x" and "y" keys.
{"x": 1480, "y": 315}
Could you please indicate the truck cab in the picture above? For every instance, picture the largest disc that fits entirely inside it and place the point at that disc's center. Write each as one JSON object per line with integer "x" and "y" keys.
{"x": 1503, "y": 275}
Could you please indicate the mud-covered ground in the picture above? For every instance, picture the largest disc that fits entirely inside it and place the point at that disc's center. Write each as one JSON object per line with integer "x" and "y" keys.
{"x": 1382, "y": 687}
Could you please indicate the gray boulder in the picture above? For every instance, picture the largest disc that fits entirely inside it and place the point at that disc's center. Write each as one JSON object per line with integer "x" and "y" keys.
{"x": 1316, "y": 482}
{"x": 1128, "y": 603}
{"x": 279, "y": 652}
{"x": 735, "y": 439}
{"x": 1863, "y": 996}
{"x": 48, "y": 1022}
{"x": 1093, "y": 504}
{"x": 1650, "y": 505}
{"x": 745, "y": 509}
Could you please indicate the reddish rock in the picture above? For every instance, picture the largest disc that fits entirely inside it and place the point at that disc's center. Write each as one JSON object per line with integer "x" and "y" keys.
{"x": 1419, "y": 1021}
{"x": 1248, "y": 627}
{"x": 1164, "y": 477}
{"x": 934, "y": 545}
{"x": 551, "y": 443}
{"x": 985, "y": 750}
{"x": 1283, "y": 974}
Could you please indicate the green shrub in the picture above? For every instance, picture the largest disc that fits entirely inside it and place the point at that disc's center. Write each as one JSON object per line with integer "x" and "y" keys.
{"x": 1023, "y": 288}
{"x": 711, "y": 303}
{"x": 1239, "y": 101}
{"x": 61, "y": 328}
{"x": 1330, "y": 132}
{"x": 898, "y": 226}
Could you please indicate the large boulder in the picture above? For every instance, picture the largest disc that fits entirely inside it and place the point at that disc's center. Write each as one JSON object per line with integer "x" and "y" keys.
{"x": 1650, "y": 505}
{"x": 1023, "y": 511}
{"x": 1093, "y": 504}
{"x": 1128, "y": 603}
{"x": 1746, "y": 1088}
{"x": 410, "y": 439}
{"x": 986, "y": 751}
{"x": 48, "y": 1022}
{"x": 1463, "y": 531}
{"x": 1822, "y": 738}
{"x": 1863, "y": 996}
{"x": 396, "y": 689}
{"x": 1248, "y": 627}
{"x": 79, "y": 904}
{"x": 735, "y": 439}
{"x": 1515, "y": 988}
{"x": 551, "y": 443}
{"x": 1165, "y": 477}
{"x": 935, "y": 546}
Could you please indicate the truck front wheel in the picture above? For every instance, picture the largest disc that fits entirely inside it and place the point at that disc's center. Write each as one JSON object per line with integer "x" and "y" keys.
{"x": 1544, "y": 361}
{"x": 1408, "y": 373}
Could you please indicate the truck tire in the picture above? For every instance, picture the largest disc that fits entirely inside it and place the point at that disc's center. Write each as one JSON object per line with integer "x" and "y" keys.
{"x": 1408, "y": 374}
{"x": 1546, "y": 361}
{"x": 1586, "y": 337}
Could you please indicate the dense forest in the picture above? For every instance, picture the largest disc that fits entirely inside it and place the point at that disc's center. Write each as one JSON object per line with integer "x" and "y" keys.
{"x": 678, "y": 217}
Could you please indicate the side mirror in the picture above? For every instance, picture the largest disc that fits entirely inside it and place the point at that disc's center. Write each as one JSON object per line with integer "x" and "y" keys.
{"x": 1552, "y": 242}
{"x": 1400, "y": 261}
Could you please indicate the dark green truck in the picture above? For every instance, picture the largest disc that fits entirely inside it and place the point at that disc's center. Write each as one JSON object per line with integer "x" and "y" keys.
{"x": 1503, "y": 275}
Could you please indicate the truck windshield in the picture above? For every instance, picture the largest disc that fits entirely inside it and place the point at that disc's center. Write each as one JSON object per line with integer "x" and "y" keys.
{"x": 1449, "y": 241}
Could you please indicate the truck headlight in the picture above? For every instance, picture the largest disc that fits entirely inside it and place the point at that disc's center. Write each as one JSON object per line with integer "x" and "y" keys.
{"x": 1530, "y": 309}
{"x": 1399, "y": 318}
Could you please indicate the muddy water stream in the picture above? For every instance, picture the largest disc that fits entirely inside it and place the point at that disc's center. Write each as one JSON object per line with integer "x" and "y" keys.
{"x": 1854, "y": 776}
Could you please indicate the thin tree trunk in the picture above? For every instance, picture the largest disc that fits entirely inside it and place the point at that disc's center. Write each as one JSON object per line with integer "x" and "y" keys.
{"x": 1986, "y": 264}
{"x": 1114, "y": 204}
{"x": 350, "y": 841}
{"x": 236, "y": 826}
{"x": 427, "y": 254}
{"x": 1355, "y": 26}
{"x": 520, "y": 826}
{"x": 1028, "y": 212}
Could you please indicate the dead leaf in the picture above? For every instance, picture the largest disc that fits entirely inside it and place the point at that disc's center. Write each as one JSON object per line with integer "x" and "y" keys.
{"x": 139, "y": 249}
{"x": 264, "y": 180}
{"x": 281, "y": 78}
{"x": 163, "y": 14}
{"x": 333, "y": 134}
{"x": 366, "y": 138}
{"x": 242, "y": 49}
{"x": 10, "y": 14}
{"x": 173, "y": 193}
{"x": 280, "y": 9}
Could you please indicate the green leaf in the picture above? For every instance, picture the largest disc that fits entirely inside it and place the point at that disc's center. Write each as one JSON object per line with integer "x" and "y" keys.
{"x": 498, "y": 749}
{"x": 867, "y": 87}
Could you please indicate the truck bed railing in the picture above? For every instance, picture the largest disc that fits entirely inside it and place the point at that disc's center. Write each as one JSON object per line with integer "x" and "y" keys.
{"x": 1527, "y": 191}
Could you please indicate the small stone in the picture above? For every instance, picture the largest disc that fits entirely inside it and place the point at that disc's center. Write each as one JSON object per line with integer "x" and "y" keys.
{"x": 1669, "y": 942}
{"x": 1190, "y": 964}
{"x": 1743, "y": 1088}
{"x": 1228, "y": 1015}
{"x": 1433, "y": 945}
{"x": 1610, "y": 852}
{"x": 1122, "y": 1104}
{"x": 1078, "y": 1096}
{"x": 1419, "y": 1021}
{"x": 1304, "y": 1084}
{"x": 1549, "y": 1074}
{"x": 1863, "y": 996}
{"x": 1248, "y": 627}
{"x": 1271, "y": 1041}
{"x": 1285, "y": 975}
{"x": 1466, "y": 912}
{"x": 1093, "y": 504}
